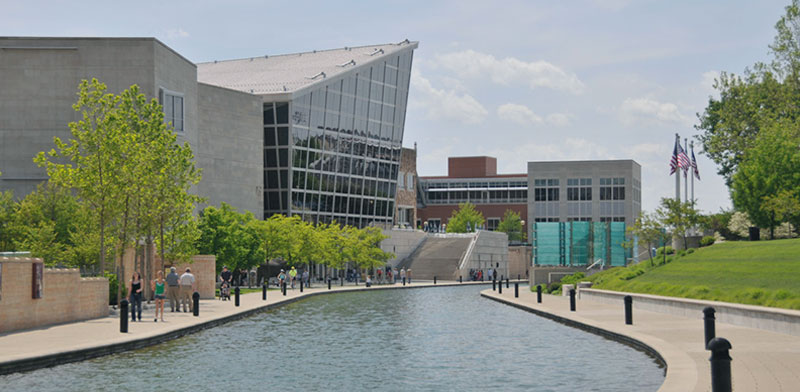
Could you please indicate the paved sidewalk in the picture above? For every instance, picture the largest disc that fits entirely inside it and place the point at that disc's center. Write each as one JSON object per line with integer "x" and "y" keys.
{"x": 56, "y": 344}
{"x": 762, "y": 360}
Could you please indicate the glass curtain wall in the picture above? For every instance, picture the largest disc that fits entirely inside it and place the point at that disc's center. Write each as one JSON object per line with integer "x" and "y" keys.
{"x": 343, "y": 141}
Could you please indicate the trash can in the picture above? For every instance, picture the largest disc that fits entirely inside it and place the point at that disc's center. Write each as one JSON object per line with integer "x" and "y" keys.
{"x": 755, "y": 234}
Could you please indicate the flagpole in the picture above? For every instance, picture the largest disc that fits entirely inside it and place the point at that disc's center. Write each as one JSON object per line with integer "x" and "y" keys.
{"x": 691, "y": 145}
{"x": 678, "y": 173}
{"x": 686, "y": 171}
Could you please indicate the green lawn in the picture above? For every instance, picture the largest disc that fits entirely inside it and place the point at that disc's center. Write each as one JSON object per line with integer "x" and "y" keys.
{"x": 759, "y": 273}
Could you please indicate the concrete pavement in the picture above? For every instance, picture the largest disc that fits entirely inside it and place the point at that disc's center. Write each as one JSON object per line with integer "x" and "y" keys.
{"x": 762, "y": 360}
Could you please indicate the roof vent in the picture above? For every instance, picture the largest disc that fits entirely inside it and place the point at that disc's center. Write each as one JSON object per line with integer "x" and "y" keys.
{"x": 404, "y": 42}
{"x": 376, "y": 51}
{"x": 314, "y": 51}
{"x": 346, "y": 48}
{"x": 317, "y": 75}
{"x": 215, "y": 61}
{"x": 284, "y": 87}
{"x": 251, "y": 91}
{"x": 351, "y": 62}
{"x": 266, "y": 56}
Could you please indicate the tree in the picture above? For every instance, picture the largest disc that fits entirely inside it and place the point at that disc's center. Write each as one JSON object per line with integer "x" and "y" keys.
{"x": 512, "y": 226}
{"x": 465, "y": 215}
{"x": 8, "y": 208}
{"x": 765, "y": 95}
{"x": 649, "y": 231}
{"x": 680, "y": 216}
{"x": 769, "y": 168}
{"x": 785, "y": 206}
{"x": 90, "y": 161}
{"x": 232, "y": 236}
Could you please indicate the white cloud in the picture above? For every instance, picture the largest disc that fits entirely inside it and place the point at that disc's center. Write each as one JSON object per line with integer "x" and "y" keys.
{"x": 177, "y": 33}
{"x": 647, "y": 111}
{"x": 444, "y": 104}
{"x": 519, "y": 114}
{"x": 558, "y": 119}
{"x": 508, "y": 71}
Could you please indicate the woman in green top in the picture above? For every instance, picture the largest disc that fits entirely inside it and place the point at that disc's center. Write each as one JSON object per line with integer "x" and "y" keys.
{"x": 158, "y": 291}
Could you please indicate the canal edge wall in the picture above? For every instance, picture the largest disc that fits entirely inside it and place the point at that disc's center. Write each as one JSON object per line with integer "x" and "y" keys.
{"x": 60, "y": 358}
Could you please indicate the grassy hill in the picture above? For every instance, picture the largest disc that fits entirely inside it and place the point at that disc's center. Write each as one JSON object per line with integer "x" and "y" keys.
{"x": 759, "y": 273}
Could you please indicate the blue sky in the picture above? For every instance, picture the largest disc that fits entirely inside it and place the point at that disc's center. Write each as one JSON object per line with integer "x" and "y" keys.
{"x": 521, "y": 81}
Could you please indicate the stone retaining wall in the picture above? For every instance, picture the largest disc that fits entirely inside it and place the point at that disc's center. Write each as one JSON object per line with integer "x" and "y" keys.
{"x": 761, "y": 317}
{"x": 66, "y": 297}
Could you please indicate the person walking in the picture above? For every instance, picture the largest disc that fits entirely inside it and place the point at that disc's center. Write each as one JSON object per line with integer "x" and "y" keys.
{"x": 408, "y": 275}
{"x": 396, "y": 274}
{"x": 158, "y": 292}
{"x": 304, "y": 278}
{"x": 135, "y": 290}
{"x": 173, "y": 290}
{"x": 293, "y": 275}
{"x": 403, "y": 274}
{"x": 281, "y": 279}
{"x": 187, "y": 283}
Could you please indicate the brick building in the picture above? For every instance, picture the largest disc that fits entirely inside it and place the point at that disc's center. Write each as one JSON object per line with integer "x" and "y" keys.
{"x": 405, "y": 214}
{"x": 474, "y": 180}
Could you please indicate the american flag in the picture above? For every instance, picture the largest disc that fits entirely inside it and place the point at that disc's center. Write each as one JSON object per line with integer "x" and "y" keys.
{"x": 683, "y": 160}
{"x": 673, "y": 163}
{"x": 694, "y": 166}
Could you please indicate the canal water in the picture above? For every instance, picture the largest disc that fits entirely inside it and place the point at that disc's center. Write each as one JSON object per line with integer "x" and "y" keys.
{"x": 436, "y": 339}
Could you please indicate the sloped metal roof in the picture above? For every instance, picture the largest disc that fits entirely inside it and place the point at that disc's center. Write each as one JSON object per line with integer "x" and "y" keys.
{"x": 288, "y": 73}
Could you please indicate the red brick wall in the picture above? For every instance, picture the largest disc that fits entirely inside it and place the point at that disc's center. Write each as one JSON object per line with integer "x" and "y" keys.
{"x": 444, "y": 212}
{"x": 471, "y": 167}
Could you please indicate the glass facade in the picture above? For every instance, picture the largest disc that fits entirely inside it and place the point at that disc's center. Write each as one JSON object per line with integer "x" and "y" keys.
{"x": 333, "y": 153}
{"x": 476, "y": 191}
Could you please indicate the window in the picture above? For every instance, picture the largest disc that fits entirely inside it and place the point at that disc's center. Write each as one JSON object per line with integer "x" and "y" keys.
{"x": 492, "y": 223}
{"x": 173, "y": 109}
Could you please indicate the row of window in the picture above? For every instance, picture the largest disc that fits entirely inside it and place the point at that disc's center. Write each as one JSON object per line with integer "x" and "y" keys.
{"x": 476, "y": 184}
{"x": 405, "y": 181}
{"x": 342, "y": 184}
{"x": 583, "y": 219}
{"x": 342, "y": 204}
{"x": 482, "y": 197}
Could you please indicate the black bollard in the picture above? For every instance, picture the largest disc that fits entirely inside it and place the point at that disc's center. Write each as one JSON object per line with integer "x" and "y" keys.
{"x": 459, "y": 279}
{"x": 236, "y": 293}
{"x": 493, "y": 285}
{"x": 628, "y": 310}
{"x": 434, "y": 280}
{"x": 500, "y": 288}
{"x": 123, "y": 316}
{"x": 196, "y": 303}
{"x": 301, "y": 286}
{"x": 516, "y": 290}
{"x": 329, "y": 283}
{"x": 404, "y": 281}
{"x": 283, "y": 287}
{"x": 341, "y": 281}
{"x": 518, "y": 276}
{"x": 356, "y": 280}
{"x": 709, "y": 320}
{"x": 720, "y": 365}
{"x": 506, "y": 282}
{"x": 264, "y": 291}
{"x": 539, "y": 293}
{"x": 572, "y": 300}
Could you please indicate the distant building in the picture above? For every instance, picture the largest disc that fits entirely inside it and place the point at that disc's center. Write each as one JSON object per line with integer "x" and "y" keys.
{"x": 406, "y": 205}
{"x": 589, "y": 191}
{"x": 474, "y": 180}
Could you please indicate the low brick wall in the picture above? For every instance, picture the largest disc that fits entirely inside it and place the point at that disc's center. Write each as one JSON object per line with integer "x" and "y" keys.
{"x": 761, "y": 317}
{"x": 66, "y": 297}
{"x": 204, "y": 269}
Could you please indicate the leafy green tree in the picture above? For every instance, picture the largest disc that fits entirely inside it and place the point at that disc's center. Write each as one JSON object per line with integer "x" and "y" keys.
{"x": 650, "y": 231}
{"x": 677, "y": 215}
{"x": 785, "y": 206}
{"x": 765, "y": 95}
{"x": 512, "y": 226}
{"x": 90, "y": 160}
{"x": 770, "y": 167}
{"x": 466, "y": 214}
{"x": 8, "y": 209}
{"x": 232, "y": 236}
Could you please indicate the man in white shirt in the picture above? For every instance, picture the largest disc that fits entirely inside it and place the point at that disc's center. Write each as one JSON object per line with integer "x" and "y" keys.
{"x": 188, "y": 286}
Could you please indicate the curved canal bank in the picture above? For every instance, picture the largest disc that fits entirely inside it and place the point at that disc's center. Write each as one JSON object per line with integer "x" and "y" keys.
{"x": 449, "y": 338}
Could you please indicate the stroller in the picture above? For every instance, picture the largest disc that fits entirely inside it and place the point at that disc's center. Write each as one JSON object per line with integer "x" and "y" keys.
{"x": 224, "y": 291}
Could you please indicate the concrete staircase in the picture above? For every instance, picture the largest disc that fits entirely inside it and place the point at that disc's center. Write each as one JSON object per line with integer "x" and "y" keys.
{"x": 436, "y": 256}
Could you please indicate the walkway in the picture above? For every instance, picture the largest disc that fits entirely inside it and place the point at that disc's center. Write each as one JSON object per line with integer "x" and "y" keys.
{"x": 58, "y": 344}
{"x": 762, "y": 360}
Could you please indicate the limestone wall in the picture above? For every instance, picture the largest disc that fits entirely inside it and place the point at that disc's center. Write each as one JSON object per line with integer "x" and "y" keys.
{"x": 490, "y": 250}
{"x": 401, "y": 242}
{"x": 66, "y": 297}
{"x": 519, "y": 258}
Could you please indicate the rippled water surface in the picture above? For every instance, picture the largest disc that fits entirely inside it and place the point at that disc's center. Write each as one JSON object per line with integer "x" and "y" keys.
{"x": 441, "y": 339}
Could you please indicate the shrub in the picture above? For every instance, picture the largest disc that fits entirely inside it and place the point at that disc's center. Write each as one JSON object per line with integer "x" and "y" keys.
{"x": 690, "y": 251}
{"x": 681, "y": 253}
{"x": 707, "y": 240}
{"x": 660, "y": 251}
{"x": 554, "y": 287}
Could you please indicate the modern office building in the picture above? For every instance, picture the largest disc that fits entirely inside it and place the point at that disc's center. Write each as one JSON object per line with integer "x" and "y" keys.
{"x": 316, "y": 134}
{"x": 333, "y": 128}
{"x": 474, "y": 180}
{"x": 584, "y": 191}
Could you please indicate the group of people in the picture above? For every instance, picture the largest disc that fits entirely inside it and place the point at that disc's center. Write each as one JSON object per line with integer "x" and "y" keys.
{"x": 290, "y": 278}
{"x": 387, "y": 275}
{"x": 178, "y": 289}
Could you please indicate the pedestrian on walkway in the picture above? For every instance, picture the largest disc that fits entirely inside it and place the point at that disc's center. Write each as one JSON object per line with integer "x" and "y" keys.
{"x": 408, "y": 275}
{"x": 293, "y": 275}
{"x": 135, "y": 290}
{"x": 304, "y": 278}
{"x": 173, "y": 291}
{"x": 187, "y": 283}
{"x": 158, "y": 292}
{"x": 396, "y": 274}
{"x": 403, "y": 274}
{"x": 281, "y": 279}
